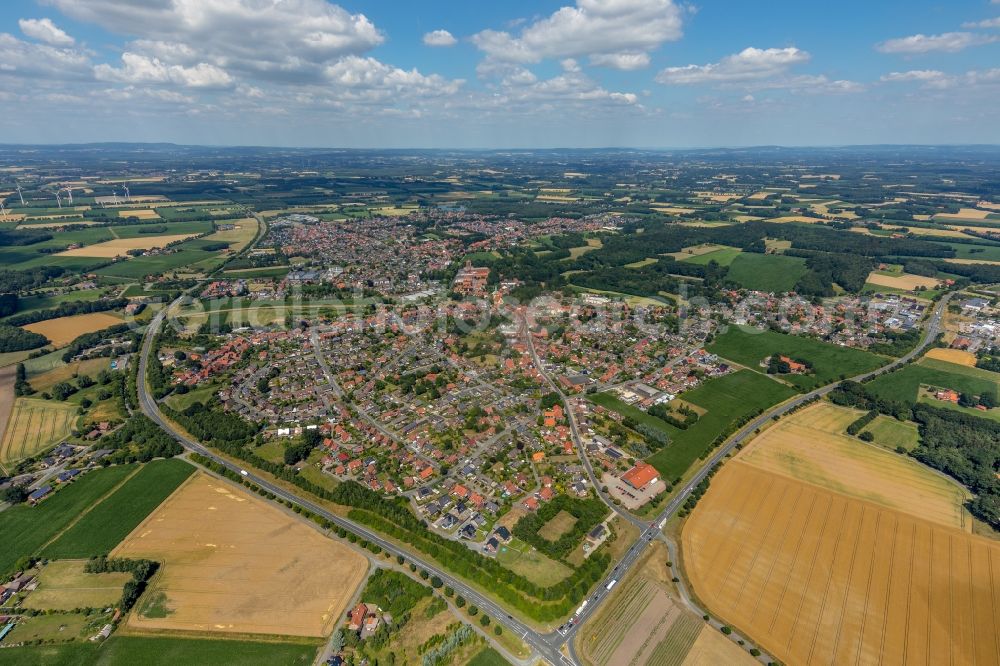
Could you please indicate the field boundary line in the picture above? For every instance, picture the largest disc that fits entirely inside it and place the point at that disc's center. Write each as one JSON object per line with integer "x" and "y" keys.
{"x": 868, "y": 592}
{"x": 812, "y": 567}
{"x": 888, "y": 588}
{"x": 795, "y": 557}
{"x": 762, "y": 538}
{"x": 909, "y": 591}
{"x": 98, "y": 501}
{"x": 802, "y": 601}
{"x": 777, "y": 554}
{"x": 847, "y": 581}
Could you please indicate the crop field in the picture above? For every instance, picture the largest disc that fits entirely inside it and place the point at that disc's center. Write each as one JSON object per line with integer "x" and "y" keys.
{"x": 187, "y": 254}
{"x": 56, "y": 627}
{"x": 712, "y": 648}
{"x": 119, "y": 247}
{"x": 956, "y": 356}
{"x": 7, "y": 376}
{"x": 724, "y": 256}
{"x": 167, "y": 651}
{"x": 66, "y": 372}
{"x": 64, "y": 585}
{"x": 904, "y": 281}
{"x": 750, "y": 346}
{"x": 726, "y": 399}
{"x": 811, "y": 446}
{"x": 45, "y": 301}
{"x": 33, "y": 426}
{"x": 232, "y": 563}
{"x": 244, "y": 231}
{"x": 63, "y": 330}
{"x": 26, "y": 529}
{"x": 103, "y": 527}
{"x": 141, "y": 213}
{"x": 892, "y": 433}
{"x": 820, "y": 578}
{"x": 904, "y": 385}
{"x": 766, "y": 272}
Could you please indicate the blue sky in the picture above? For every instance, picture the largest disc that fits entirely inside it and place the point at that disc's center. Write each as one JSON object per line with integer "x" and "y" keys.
{"x": 587, "y": 73}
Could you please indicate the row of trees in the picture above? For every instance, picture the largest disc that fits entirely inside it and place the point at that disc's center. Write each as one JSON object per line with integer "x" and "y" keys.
{"x": 141, "y": 570}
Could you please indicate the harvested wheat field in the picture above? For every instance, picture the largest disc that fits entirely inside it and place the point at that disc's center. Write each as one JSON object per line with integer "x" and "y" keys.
{"x": 63, "y": 330}
{"x": 956, "y": 356}
{"x": 820, "y": 578}
{"x": 711, "y": 648}
{"x": 234, "y": 563}
{"x": 119, "y": 247}
{"x": 963, "y": 214}
{"x": 141, "y": 213}
{"x": 33, "y": 426}
{"x": 811, "y": 446}
{"x": 905, "y": 281}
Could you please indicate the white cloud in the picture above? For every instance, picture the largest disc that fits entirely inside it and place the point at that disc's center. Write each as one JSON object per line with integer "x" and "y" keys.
{"x": 624, "y": 61}
{"x": 21, "y": 58}
{"x": 439, "y": 38}
{"x": 986, "y": 23}
{"x": 373, "y": 78}
{"x": 937, "y": 80}
{"x": 618, "y": 32}
{"x": 750, "y": 64}
{"x": 44, "y": 30}
{"x": 141, "y": 69}
{"x": 290, "y": 40}
{"x": 949, "y": 42}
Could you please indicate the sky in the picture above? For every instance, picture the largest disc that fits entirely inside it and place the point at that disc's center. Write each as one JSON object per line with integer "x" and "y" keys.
{"x": 511, "y": 74}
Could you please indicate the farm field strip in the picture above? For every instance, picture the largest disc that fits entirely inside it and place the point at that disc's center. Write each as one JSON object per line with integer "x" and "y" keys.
{"x": 63, "y": 330}
{"x": 229, "y": 566}
{"x": 121, "y": 246}
{"x": 633, "y": 601}
{"x": 811, "y": 446}
{"x": 818, "y": 577}
{"x": 675, "y": 649}
{"x": 35, "y": 425}
{"x": 64, "y": 585}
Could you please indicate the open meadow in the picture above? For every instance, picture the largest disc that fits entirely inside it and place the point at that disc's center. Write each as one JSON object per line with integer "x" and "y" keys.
{"x": 232, "y": 563}
{"x": 750, "y": 347}
{"x": 64, "y": 585}
{"x": 904, "y": 384}
{"x": 33, "y": 426}
{"x": 63, "y": 330}
{"x": 766, "y": 272}
{"x": 817, "y": 577}
{"x": 811, "y": 446}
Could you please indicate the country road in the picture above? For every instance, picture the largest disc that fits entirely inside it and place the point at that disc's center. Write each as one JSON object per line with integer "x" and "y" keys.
{"x": 547, "y": 646}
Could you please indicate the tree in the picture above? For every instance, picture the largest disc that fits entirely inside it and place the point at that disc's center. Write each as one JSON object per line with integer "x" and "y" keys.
{"x": 14, "y": 494}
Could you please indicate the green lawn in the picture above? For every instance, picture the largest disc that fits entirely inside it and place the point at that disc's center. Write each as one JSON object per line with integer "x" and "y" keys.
{"x": 488, "y": 657}
{"x": 904, "y": 384}
{"x": 99, "y": 531}
{"x": 749, "y": 346}
{"x": 25, "y": 528}
{"x": 609, "y": 401}
{"x": 149, "y": 651}
{"x": 723, "y": 256}
{"x": 766, "y": 272}
{"x": 727, "y": 399}
{"x": 892, "y": 433}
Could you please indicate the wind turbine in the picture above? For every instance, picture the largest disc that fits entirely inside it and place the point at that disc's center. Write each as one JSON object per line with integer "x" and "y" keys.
{"x": 128, "y": 197}
{"x": 114, "y": 193}
{"x": 3, "y": 211}
{"x": 58, "y": 200}
{"x": 69, "y": 191}
{"x": 21, "y": 196}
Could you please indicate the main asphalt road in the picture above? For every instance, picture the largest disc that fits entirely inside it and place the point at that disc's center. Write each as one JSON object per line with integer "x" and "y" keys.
{"x": 548, "y": 646}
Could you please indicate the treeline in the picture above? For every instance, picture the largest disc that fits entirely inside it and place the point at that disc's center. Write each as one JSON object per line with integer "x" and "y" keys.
{"x": 8, "y": 304}
{"x": 13, "y": 339}
{"x": 20, "y": 237}
{"x": 962, "y": 446}
{"x": 861, "y": 422}
{"x": 212, "y": 425}
{"x": 588, "y": 513}
{"x": 141, "y": 570}
{"x": 83, "y": 342}
{"x": 140, "y": 440}
{"x": 67, "y": 310}
{"x": 32, "y": 278}
{"x": 662, "y": 412}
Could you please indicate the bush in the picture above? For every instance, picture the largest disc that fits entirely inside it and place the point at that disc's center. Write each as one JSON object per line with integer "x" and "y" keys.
{"x": 726, "y": 630}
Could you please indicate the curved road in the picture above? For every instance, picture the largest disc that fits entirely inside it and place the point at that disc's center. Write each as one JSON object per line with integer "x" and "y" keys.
{"x": 548, "y": 646}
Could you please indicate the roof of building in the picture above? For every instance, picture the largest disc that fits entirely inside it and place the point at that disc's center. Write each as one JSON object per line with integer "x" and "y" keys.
{"x": 640, "y": 475}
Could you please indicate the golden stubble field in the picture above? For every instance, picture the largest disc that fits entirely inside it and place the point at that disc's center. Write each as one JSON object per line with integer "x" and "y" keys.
{"x": 119, "y": 247}
{"x": 35, "y": 425}
{"x": 956, "y": 356}
{"x": 821, "y": 578}
{"x": 233, "y": 563}
{"x": 811, "y": 446}
{"x": 64, "y": 330}
{"x": 905, "y": 281}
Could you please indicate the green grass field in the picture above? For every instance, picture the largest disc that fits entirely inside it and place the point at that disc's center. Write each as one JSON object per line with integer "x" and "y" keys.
{"x": 189, "y": 253}
{"x": 766, "y": 272}
{"x": 971, "y": 251}
{"x": 903, "y": 385}
{"x": 488, "y": 657}
{"x": 891, "y": 433}
{"x": 727, "y": 399}
{"x": 149, "y": 651}
{"x": 611, "y": 402}
{"x": 99, "y": 531}
{"x": 25, "y": 529}
{"x": 723, "y": 256}
{"x": 46, "y": 301}
{"x": 168, "y": 229}
{"x": 749, "y": 347}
